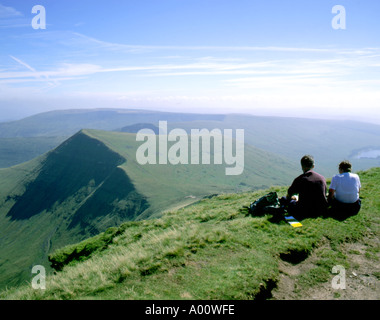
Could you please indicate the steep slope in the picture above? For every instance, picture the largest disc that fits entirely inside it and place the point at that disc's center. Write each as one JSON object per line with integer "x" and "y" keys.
{"x": 92, "y": 181}
{"x": 69, "y": 194}
{"x": 170, "y": 186}
{"x": 212, "y": 250}
{"x": 82, "y": 168}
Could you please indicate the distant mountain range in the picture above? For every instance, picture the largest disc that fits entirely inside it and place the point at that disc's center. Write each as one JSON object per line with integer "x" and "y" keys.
{"x": 329, "y": 141}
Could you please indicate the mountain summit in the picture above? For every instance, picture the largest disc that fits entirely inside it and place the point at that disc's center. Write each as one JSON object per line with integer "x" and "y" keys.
{"x": 92, "y": 181}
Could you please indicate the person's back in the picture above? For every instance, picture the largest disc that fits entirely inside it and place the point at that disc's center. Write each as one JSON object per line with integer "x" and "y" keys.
{"x": 346, "y": 186}
{"x": 311, "y": 188}
{"x": 344, "y": 192}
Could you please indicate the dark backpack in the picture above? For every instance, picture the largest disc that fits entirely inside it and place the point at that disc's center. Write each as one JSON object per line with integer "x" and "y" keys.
{"x": 265, "y": 205}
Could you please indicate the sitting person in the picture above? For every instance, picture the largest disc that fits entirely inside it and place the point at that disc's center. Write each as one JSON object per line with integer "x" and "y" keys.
{"x": 344, "y": 192}
{"x": 311, "y": 189}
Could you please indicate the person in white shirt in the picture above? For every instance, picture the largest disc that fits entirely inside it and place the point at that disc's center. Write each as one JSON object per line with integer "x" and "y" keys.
{"x": 344, "y": 192}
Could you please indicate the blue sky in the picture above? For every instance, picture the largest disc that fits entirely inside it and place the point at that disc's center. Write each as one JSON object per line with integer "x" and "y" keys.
{"x": 270, "y": 57}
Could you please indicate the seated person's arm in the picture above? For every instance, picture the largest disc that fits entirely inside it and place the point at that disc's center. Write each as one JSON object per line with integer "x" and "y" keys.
{"x": 292, "y": 190}
{"x": 291, "y": 196}
{"x": 331, "y": 195}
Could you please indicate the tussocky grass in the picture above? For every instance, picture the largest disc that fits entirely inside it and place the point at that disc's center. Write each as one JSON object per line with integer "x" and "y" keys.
{"x": 209, "y": 250}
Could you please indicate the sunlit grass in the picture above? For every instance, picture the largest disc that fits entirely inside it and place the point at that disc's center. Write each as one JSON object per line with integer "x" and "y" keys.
{"x": 210, "y": 250}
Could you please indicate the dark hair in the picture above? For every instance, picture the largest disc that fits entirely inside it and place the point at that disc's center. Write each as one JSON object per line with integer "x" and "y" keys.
{"x": 345, "y": 166}
{"x": 307, "y": 161}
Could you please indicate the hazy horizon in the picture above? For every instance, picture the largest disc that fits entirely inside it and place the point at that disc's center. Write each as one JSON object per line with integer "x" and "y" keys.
{"x": 321, "y": 117}
{"x": 272, "y": 58}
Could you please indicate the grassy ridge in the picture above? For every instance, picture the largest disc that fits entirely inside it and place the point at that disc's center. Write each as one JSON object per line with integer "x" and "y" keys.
{"x": 49, "y": 202}
{"x": 167, "y": 186}
{"x": 210, "y": 250}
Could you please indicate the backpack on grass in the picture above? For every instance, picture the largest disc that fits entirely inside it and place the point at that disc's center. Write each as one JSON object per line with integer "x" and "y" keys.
{"x": 268, "y": 204}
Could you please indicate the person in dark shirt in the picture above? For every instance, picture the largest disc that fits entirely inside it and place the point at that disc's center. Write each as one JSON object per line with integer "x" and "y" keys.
{"x": 311, "y": 190}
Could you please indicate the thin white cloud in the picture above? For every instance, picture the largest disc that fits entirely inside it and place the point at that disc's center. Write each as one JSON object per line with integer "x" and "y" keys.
{"x": 23, "y": 64}
{"x": 140, "y": 48}
{"x": 11, "y": 18}
{"x": 40, "y": 76}
{"x": 273, "y": 69}
{"x": 342, "y": 79}
{"x": 190, "y": 69}
{"x": 51, "y": 83}
{"x": 9, "y": 12}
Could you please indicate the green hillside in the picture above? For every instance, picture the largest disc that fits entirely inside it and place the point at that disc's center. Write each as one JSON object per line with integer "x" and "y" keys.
{"x": 210, "y": 250}
{"x": 14, "y": 151}
{"x": 92, "y": 182}
{"x": 166, "y": 186}
{"x": 47, "y": 202}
